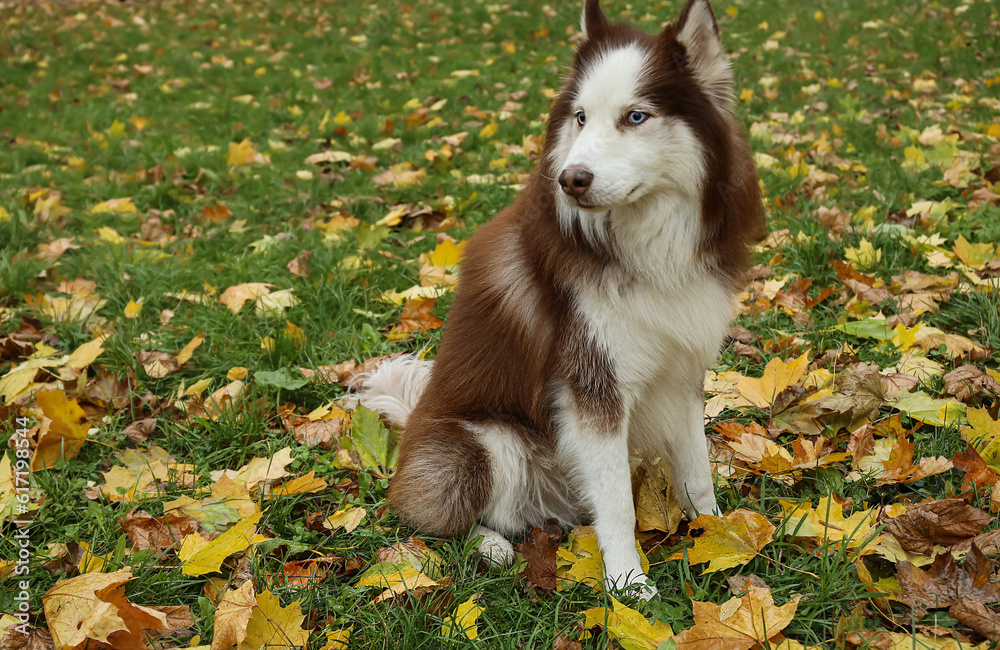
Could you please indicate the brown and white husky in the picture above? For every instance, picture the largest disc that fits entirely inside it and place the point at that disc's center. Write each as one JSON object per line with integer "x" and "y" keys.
{"x": 588, "y": 312}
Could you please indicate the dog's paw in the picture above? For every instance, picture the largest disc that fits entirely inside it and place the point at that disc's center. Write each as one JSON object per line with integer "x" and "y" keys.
{"x": 495, "y": 548}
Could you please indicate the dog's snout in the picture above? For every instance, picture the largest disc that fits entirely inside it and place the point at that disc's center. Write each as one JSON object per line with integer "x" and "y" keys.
{"x": 576, "y": 180}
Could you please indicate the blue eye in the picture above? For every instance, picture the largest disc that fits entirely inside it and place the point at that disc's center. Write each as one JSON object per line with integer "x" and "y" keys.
{"x": 581, "y": 117}
{"x": 637, "y": 117}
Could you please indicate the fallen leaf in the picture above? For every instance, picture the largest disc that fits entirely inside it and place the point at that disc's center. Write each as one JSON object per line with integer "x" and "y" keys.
{"x": 463, "y": 621}
{"x": 236, "y": 296}
{"x": 739, "y": 623}
{"x": 945, "y": 582}
{"x": 259, "y": 471}
{"x": 63, "y": 431}
{"x": 275, "y": 627}
{"x": 973, "y": 614}
{"x": 826, "y": 523}
{"x": 350, "y": 517}
{"x": 628, "y": 627}
{"x": 540, "y": 558}
{"x": 945, "y": 522}
{"x": 777, "y": 376}
{"x": 727, "y": 541}
{"x": 233, "y": 615}
{"x": 146, "y": 532}
{"x": 199, "y": 556}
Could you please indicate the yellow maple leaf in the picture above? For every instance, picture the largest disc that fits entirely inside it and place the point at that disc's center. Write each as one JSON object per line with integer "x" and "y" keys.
{"x": 628, "y": 627}
{"x": 777, "y": 376}
{"x": 741, "y": 622}
{"x": 864, "y": 256}
{"x": 259, "y": 470}
{"x": 199, "y": 556}
{"x": 235, "y": 296}
{"x": 727, "y": 541}
{"x": 300, "y": 485}
{"x": 66, "y": 432}
{"x": 338, "y": 639}
{"x": 350, "y": 517}
{"x": 656, "y": 507}
{"x": 115, "y": 206}
{"x": 463, "y": 621}
{"x": 85, "y": 355}
{"x": 983, "y": 433}
{"x": 275, "y": 627}
{"x": 241, "y": 153}
{"x": 826, "y": 523}
{"x": 232, "y": 616}
{"x": 447, "y": 253}
{"x": 974, "y": 255}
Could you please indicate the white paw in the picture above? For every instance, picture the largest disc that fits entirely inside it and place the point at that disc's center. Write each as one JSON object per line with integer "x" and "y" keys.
{"x": 495, "y": 548}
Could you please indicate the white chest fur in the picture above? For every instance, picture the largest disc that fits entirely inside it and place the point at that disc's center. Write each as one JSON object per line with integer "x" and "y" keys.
{"x": 656, "y": 333}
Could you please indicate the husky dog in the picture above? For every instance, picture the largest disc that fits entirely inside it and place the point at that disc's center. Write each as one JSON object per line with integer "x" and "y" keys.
{"x": 588, "y": 312}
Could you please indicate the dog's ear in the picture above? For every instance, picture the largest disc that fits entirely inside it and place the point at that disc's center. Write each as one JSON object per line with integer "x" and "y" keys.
{"x": 698, "y": 32}
{"x": 593, "y": 19}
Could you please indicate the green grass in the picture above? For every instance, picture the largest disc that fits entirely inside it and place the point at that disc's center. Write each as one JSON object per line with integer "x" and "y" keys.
{"x": 142, "y": 100}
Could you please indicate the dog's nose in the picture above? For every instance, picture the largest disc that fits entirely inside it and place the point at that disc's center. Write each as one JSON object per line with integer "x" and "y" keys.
{"x": 575, "y": 180}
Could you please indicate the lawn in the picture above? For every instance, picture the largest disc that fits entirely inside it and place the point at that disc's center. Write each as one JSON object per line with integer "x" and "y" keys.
{"x": 213, "y": 214}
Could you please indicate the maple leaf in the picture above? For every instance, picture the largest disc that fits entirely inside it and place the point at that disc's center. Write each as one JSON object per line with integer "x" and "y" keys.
{"x": 944, "y": 521}
{"x": 141, "y": 474}
{"x": 93, "y": 606}
{"x": 233, "y": 615}
{"x": 147, "y": 532}
{"x": 738, "y": 624}
{"x": 305, "y": 484}
{"x": 235, "y": 296}
{"x": 777, "y": 376}
{"x": 415, "y": 552}
{"x": 63, "y": 431}
{"x": 656, "y": 506}
{"x": 350, "y": 517}
{"x": 259, "y": 471}
{"x": 114, "y": 206}
{"x": 983, "y": 433}
{"x": 229, "y": 501}
{"x": 199, "y": 556}
{"x": 628, "y": 627}
{"x": 540, "y": 555}
{"x": 727, "y": 541}
{"x": 945, "y": 581}
{"x": 977, "y": 473}
{"x": 968, "y": 381}
{"x": 273, "y": 626}
{"x": 418, "y": 316}
{"x": 827, "y": 524}
{"x": 463, "y": 621}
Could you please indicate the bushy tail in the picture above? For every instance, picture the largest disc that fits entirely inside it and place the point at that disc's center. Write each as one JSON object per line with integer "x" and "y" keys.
{"x": 395, "y": 386}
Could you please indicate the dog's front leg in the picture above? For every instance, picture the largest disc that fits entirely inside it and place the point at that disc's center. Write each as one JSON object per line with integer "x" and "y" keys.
{"x": 597, "y": 460}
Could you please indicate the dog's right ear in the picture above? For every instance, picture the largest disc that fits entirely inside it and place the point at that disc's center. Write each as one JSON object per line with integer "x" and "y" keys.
{"x": 593, "y": 20}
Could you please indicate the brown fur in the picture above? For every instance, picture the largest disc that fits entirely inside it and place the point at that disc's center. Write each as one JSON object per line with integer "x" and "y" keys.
{"x": 505, "y": 341}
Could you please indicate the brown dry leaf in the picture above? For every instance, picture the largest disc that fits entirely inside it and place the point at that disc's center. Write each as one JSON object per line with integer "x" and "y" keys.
{"x": 738, "y": 624}
{"x": 93, "y": 606}
{"x": 891, "y": 461}
{"x": 140, "y": 430}
{"x": 727, "y": 541}
{"x": 232, "y": 616}
{"x": 418, "y": 316}
{"x": 968, "y": 381}
{"x": 157, "y": 364}
{"x": 63, "y": 431}
{"x": 945, "y": 582}
{"x": 974, "y": 615}
{"x": 235, "y": 296}
{"x": 943, "y": 522}
{"x": 304, "y": 573}
{"x": 540, "y": 554}
{"x": 147, "y": 532}
{"x": 51, "y": 251}
{"x": 299, "y": 266}
{"x": 323, "y": 434}
{"x": 977, "y": 473}
{"x": 956, "y": 345}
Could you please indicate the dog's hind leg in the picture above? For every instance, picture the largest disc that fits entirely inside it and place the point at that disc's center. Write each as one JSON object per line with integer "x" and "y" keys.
{"x": 496, "y": 548}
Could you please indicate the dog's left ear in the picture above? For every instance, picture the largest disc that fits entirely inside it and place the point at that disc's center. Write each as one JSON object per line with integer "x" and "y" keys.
{"x": 593, "y": 19}
{"x": 698, "y": 32}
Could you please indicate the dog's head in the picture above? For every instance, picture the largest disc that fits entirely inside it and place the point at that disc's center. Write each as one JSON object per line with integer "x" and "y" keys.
{"x": 640, "y": 113}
